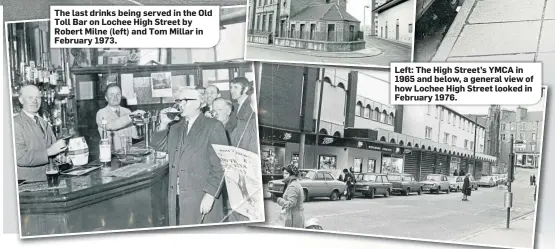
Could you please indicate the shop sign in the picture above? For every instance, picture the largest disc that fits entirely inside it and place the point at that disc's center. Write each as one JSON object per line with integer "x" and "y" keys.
{"x": 455, "y": 159}
{"x": 328, "y": 140}
{"x": 374, "y": 147}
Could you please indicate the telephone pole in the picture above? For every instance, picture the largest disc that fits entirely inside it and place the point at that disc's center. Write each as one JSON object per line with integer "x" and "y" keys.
{"x": 511, "y": 173}
{"x": 323, "y": 71}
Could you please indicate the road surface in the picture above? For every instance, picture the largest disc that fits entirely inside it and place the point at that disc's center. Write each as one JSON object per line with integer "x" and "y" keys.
{"x": 441, "y": 217}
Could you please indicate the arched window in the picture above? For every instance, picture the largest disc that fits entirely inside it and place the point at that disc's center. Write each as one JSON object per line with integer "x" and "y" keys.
{"x": 401, "y": 143}
{"x": 358, "y": 109}
{"x": 376, "y": 116}
{"x": 382, "y": 139}
{"x": 341, "y": 85}
{"x": 383, "y": 117}
{"x": 324, "y": 131}
{"x": 391, "y": 119}
{"x": 392, "y": 140}
{"x": 337, "y": 134}
{"x": 367, "y": 111}
{"x": 409, "y": 144}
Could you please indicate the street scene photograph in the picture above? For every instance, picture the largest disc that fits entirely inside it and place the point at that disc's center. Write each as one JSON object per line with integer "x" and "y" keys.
{"x": 337, "y": 157}
{"x": 331, "y": 32}
{"x": 486, "y": 31}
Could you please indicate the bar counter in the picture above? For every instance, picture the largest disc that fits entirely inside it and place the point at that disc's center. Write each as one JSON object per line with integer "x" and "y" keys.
{"x": 113, "y": 197}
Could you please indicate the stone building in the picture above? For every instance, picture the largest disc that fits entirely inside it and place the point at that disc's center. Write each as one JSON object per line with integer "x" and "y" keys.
{"x": 527, "y": 130}
{"x": 323, "y": 25}
{"x": 396, "y": 20}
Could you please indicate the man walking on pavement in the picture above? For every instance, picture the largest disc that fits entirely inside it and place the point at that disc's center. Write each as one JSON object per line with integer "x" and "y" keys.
{"x": 350, "y": 180}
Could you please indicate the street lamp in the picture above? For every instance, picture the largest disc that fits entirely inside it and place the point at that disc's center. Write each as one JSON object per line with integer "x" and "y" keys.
{"x": 364, "y": 17}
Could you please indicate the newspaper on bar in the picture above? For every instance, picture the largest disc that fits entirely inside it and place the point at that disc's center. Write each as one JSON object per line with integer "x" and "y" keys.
{"x": 243, "y": 178}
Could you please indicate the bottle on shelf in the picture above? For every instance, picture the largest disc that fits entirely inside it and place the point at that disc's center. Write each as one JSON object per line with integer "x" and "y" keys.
{"x": 105, "y": 146}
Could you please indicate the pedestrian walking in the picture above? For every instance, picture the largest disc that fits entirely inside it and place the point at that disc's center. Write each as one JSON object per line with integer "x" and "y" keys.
{"x": 455, "y": 173}
{"x": 467, "y": 189}
{"x": 292, "y": 210}
{"x": 531, "y": 180}
{"x": 349, "y": 179}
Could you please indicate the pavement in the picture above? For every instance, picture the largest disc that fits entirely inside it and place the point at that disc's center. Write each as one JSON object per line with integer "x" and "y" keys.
{"x": 431, "y": 217}
{"x": 502, "y": 31}
{"x": 16, "y": 10}
{"x": 378, "y": 52}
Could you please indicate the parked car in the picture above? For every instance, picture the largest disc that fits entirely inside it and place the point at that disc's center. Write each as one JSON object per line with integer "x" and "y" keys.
{"x": 436, "y": 183}
{"x": 404, "y": 184}
{"x": 501, "y": 179}
{"x": 315, "y": 183}
{"x": 488, "y": 181}
{"x": 371, "y": 184}
{"x": 455, "y": 183}
{"x": 473, "y": 183}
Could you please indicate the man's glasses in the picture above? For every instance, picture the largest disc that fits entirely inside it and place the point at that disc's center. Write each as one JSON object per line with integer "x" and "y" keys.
{"x": 178, "y": 101}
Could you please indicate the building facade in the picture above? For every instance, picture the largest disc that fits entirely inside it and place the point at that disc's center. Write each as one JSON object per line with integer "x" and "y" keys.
{"x": 527, "y": 130}
{"x": 323, "y": 25}
{"x": 357, "y": 129}
{"x": 396, "y": 20}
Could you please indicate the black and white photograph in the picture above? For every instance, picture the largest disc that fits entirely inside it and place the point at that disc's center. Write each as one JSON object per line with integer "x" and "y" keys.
{"x": 367, "y": 33}
{"x": 98, "y": 150}
{"x": 337, "y": 157}
{"x": 486, "y": 31}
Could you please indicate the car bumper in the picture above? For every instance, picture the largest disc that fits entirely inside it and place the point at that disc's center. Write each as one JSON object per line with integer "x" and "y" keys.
{"x": 429, "y": 188}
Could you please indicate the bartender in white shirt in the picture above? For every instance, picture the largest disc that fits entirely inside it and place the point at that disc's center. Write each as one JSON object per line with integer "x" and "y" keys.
{"x": 119, "y": 121}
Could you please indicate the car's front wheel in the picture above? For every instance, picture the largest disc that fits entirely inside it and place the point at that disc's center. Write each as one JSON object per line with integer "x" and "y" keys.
{"x": 371, "y": 193}
{"x": 407, "y": 192}
{"x": 420, "y": 191}
{"x": 387, "y": 193}
{"x": 334, "y": 195}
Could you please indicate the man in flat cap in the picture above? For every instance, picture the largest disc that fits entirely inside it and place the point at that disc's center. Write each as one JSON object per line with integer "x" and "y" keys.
{"x": 196, "y": 174}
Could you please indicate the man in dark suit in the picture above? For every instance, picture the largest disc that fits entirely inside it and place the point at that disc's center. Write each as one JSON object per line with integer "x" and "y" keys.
{"x": 35, "y": 142}
{"x": 244, "y": 135}
{"x": 222, "y": 109}
{"x": 196, "y": 174}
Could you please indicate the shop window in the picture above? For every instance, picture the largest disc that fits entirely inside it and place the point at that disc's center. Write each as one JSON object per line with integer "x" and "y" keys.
{"x": 392, "y": 164}
{"x": 357, "y": 167}
{"x": 327, "y": 162}
{"x": 295, "y": 157}
{"x": 371, "y": 168}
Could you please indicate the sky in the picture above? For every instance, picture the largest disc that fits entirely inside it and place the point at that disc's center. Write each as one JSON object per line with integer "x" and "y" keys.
{"x": 356, "y": 9}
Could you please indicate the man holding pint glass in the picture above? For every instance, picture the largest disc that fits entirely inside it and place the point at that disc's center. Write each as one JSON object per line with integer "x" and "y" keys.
{"x": 196, "y": 174}
{"x": 35, "y": 142}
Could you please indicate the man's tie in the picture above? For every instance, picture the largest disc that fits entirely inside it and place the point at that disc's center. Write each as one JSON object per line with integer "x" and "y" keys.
{"x": 185, "y": 131}
{"x": 117, "y": 112}
{"x": 40, "y": 125}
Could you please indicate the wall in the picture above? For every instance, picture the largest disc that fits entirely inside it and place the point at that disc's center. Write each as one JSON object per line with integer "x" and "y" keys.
{"x": 374, "y": 87}
{"x": 404, "y": 12}
{"x": 361, "y": 122}
{"x": 419, "y": 119}
{"x": 280, "y": 96}
{"x": 334, "y": 98}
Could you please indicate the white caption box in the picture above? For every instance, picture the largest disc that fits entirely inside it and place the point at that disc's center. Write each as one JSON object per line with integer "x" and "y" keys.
{"x": 134, "y": 26}
{"x": 465, "y": 83}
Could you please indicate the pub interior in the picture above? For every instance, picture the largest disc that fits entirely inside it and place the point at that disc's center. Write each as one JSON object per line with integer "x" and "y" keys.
{"x": 130, "y": 191}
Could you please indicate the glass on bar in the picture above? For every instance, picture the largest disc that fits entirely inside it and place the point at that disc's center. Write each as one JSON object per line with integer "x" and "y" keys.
{"x": 125, "y": 144}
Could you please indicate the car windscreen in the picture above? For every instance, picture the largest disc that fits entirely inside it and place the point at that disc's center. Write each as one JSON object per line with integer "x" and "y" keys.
{"x": 406, "y": 178}
{"x": 369, "y": 178}
{"x": 436, "y": 178}
{"x": 453, "y": 178}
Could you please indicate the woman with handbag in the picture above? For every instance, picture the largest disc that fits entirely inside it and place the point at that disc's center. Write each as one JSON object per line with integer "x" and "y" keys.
{"x": 292, "y": 210}
{"x": 466, "y": 187}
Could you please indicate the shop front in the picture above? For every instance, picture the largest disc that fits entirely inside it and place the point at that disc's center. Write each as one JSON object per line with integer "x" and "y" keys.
{"x": 525, "y": 160}
{"x": 454, "y": 166}
{"x": 442, "y": 164}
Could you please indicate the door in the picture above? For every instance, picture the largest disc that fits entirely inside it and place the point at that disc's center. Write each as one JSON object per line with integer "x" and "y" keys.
{"x": 379, "y": 185}
{"x": 282, "y": 28}
{"x": 319, "y": 185}
{"x": 330, "y": 186}
{"x": 397, "y": 30}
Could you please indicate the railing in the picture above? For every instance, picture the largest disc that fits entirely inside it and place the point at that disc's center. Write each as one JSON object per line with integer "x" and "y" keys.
{"x": 332, "y": 36}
